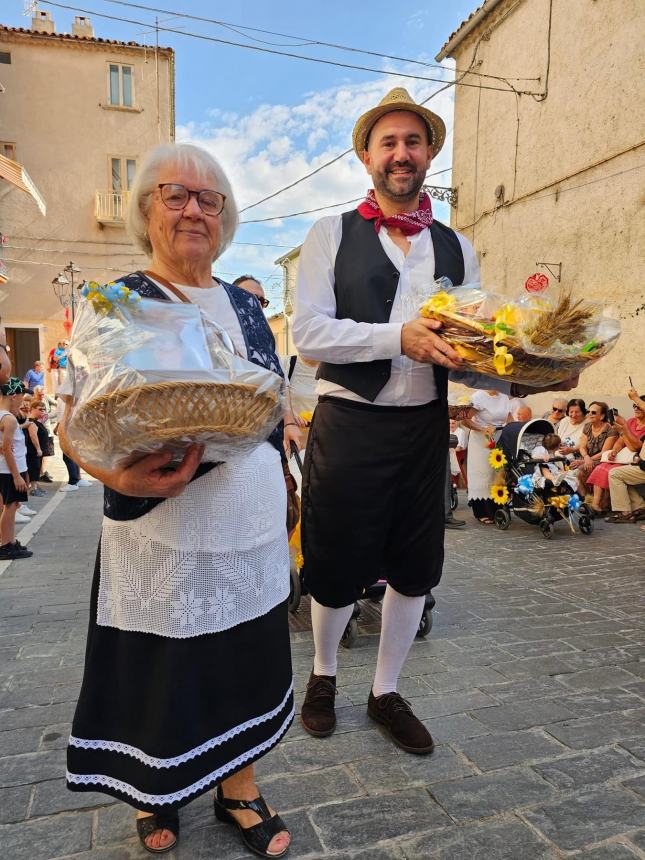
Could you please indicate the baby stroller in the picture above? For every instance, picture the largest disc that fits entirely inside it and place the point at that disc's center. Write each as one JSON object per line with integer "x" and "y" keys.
{"x": 534, "y": 505}
{"x": 373, "y": 593}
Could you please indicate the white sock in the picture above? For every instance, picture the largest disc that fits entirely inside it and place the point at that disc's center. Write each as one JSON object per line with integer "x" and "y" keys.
{"x": 400, "y": 619}
{"x": 328, "y": 626}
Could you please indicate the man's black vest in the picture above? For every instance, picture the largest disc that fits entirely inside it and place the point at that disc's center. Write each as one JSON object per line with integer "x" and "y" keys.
{"x": 366, "y": 281}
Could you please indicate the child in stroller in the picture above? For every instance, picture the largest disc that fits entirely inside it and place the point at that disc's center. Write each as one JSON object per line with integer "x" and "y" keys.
{"x": 540, "y": 492}
{"x": 547, "y": 475}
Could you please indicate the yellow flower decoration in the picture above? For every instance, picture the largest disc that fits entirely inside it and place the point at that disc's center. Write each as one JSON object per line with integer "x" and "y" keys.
{"x": 499, "y": 494}
{"x": 300, "y": 561}
{"x": 441, "y": 301}
{"x": 506, "y": 315}
{"x": 307, "y": 416}
{"x": 496, "y": 458}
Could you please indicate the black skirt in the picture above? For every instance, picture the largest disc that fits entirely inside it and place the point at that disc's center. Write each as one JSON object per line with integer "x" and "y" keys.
{"x": 160, "y": 721}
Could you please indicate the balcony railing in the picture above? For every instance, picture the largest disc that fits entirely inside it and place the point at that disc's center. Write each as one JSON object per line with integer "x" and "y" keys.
{"x": 110, "y": 206}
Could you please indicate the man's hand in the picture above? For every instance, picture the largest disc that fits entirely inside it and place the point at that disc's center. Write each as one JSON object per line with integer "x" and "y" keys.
{"x": 420, "y": 343}
{"x": 19, "y": 484}
{"x": 151, "y": 476}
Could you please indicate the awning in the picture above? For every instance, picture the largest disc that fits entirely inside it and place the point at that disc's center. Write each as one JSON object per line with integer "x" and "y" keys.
{"x": 16, "y": 174}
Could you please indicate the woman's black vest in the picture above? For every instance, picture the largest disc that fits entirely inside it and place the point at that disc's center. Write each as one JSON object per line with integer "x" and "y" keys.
{"x": 260, "y": 349}
{"x": 366, "y": 281}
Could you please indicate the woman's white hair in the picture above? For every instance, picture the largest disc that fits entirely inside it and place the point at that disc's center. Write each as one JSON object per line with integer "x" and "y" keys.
{"x": 182, "y": 155}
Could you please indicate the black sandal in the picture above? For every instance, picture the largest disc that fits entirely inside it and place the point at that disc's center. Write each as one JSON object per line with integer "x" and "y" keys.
{"x": 158, "y": 821}
{"x": 258, "y": 836}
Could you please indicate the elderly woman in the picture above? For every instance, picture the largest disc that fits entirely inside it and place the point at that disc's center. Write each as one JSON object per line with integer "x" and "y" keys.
{"x": 492, "y": 411}
{"x": 571, "y": 426}
{"x": 598, "y": 436}
{"x": 188, "y": 671}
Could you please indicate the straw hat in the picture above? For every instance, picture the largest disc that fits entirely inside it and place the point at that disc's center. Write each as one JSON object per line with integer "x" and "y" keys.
{"x": 398, "y": 99}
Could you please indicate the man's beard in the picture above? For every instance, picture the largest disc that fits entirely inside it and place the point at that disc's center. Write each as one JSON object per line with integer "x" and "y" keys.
{"x": 401, "y": 192}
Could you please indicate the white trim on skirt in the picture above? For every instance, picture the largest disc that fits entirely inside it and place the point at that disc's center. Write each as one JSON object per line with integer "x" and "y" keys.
{"x": 177, "y": 796}
{"x": 152, "y": 761}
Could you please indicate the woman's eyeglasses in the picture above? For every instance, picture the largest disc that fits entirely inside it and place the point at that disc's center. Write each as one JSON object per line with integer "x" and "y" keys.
{"x": 177, "y": 196}
{"x": 264, "y": 302}
{"x": 556, "y": 409}
{"x": 593, "y": 412}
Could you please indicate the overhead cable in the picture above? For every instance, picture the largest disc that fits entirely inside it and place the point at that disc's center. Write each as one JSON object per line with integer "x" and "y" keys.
{"x": 303, "y": 41}
{"x": 289, "y": 54}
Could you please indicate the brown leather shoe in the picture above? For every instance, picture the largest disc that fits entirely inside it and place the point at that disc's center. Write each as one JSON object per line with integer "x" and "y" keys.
{"x": 317, "y": 715}
{"x": 407, "y": 731}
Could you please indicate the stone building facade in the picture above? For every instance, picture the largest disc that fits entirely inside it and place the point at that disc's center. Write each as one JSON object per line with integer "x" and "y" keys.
{"x": 550, "y": 178}
{"x": 80, "y": 112}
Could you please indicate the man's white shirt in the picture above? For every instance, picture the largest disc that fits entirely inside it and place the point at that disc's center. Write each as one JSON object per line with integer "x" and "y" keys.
{"x": 319, "y": 335}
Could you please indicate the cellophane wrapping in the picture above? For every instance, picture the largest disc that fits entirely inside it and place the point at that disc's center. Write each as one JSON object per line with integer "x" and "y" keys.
{"x": 531, "y": 340}
{"x": 151, "y": 375}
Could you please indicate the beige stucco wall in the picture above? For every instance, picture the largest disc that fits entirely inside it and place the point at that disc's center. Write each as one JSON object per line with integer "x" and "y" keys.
{"x": 52, "y": 108}
{"x": 594, "y": 110}
{"x": 280, "y": 325}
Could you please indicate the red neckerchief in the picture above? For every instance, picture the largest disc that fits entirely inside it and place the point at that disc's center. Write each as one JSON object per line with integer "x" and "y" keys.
{"x": 408, "y": 223}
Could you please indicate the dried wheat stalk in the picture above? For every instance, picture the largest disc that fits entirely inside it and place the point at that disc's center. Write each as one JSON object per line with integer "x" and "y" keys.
{"x": 566, "y": 322}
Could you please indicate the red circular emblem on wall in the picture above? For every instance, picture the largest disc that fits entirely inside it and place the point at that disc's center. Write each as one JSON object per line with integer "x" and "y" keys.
{"x": 536, "y": 283}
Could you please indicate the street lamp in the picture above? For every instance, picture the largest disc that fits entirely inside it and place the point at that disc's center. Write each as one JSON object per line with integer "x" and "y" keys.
{"x": 67, "y": 297}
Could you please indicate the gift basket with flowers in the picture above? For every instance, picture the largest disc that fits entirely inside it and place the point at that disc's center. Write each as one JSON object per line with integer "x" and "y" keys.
{"x": 536, "y": 340}
{"x": 148, "y": 375}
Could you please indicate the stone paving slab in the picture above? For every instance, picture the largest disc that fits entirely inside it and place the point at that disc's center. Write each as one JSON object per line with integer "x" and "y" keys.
{"x": 532, "y": 682}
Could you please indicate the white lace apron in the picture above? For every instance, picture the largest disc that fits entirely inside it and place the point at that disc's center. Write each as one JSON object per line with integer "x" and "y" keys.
{"x": 210, "y": 559}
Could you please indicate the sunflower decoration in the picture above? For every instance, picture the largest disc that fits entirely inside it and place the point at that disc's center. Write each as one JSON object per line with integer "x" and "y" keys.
{"x": 497, "y": 459}
{"x": 306, "y": 417}
{"x": 499, "y": 494}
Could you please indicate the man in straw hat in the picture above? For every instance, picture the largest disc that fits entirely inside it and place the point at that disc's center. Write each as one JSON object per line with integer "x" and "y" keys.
{"x": 373, "y": 481}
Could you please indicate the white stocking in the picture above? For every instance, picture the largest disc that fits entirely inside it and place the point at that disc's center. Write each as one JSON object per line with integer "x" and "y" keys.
{"x": 328, "y": 626}
{"x": 399, "y": 623}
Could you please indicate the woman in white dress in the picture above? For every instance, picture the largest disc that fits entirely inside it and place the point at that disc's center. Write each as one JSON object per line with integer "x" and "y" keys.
{"x": 493, "y": 410}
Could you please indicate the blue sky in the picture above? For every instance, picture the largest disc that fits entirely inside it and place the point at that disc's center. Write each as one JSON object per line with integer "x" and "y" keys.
{"x": 270, "y": 119}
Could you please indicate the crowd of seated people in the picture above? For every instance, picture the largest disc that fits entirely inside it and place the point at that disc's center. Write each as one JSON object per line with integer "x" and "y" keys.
{"x": 604, "y": 453}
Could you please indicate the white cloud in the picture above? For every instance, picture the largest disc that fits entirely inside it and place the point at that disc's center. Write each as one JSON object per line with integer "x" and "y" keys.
{"x": 273, "y": 145}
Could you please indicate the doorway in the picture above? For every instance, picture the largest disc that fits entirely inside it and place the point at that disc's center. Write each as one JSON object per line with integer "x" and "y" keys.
{"x": 23, "y": 345}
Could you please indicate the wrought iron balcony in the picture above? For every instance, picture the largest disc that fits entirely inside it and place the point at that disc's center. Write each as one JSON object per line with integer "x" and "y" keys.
{"x": 110, "y": 207}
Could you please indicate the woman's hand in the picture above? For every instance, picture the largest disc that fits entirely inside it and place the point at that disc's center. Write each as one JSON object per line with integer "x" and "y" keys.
{"x": 619, "y": 421}
{"x": 292, "y": 433}
{"x": 611, "y": 456}
{"x": 588, "y": 461}
{"x": 567, "y": 449}
{"x": 151, "y": 476}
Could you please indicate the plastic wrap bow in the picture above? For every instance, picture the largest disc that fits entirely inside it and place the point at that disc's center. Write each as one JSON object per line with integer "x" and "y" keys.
{"x": 525, "y": 485}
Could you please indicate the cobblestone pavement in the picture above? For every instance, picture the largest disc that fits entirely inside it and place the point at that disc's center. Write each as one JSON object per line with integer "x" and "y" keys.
{"x": 532, "y": 683}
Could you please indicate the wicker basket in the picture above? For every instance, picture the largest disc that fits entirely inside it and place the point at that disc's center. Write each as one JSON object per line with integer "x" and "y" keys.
{"x": 475, "y": 345}
{"x": 168, "y": 411}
